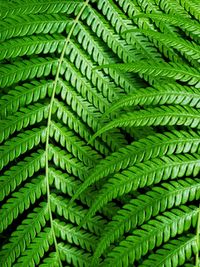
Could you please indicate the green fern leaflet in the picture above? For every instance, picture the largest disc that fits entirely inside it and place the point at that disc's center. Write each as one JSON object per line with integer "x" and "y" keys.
{"x": 99, "y": 133}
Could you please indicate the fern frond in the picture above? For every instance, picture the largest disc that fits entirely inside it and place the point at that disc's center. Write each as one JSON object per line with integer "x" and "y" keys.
{"x": 36, "y": 249}
{"x": 174, "y": 253}
{"x": 185, "y": 24}
{"x": 89, "y": 43}
{"x": 24, "y": 95}
{"x": 151, "y": 147}
{"x": 75, "y": 214}
{"x": 192, "y": 7}
{"x": 73, "y": 255}
{"x": 27, "y": 69}
{"x": 164, "y": 115}
{"x": 188, "y": 49}
{"x": 21, "y": 201}
{"x": 172, "y": 7}
{"x": 120, "y": 24}
{"x": 99, "y": 26}
{"x": 18, "y": 145}
{"x": 73, "y": 144}
{"x": 62, "y": 181}
{"x": 151, "y": 235}
{"x": 145, "y": 174}
{"x": 22, "y": 119}
{"x": 19, "y": 173}
{"x": 67, "y": 162}
{"x": 51, "y": 260}
{"x": 31, "y": 45}
{"x": 86, "y": 67}
{"x": 83, "y": 87}
{"x": 38, "y": 7}
{"x": 57, "y": 83}
{"x": 80, "y": 238}
{"x": 170, "y": 70}
{"x": 75, "y": 123}
{"x": 166, "y": 94}
{"x": 32, "y": 24}
{"x": 24, "y": 234}
{"x": 89, "y": 115}
{"x": 141, "y": 209}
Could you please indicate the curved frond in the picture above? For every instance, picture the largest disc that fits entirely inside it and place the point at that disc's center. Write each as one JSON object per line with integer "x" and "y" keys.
{"x": 19, "y": 173}
{"x": 174, "y": 253}
{"x": 21, "y": 201}
{"x": 34, "y": 7}
{"x": 24, "y": 95}
{"x": 24, "y": 234}
{"x": 145, "y": 174}
{"x": 15, "y": 147}
{"x": 185, "y": 24}
{"x": 22, "y": 119}
{"x": 75, "y": 189}
{"x": 164, "y": 115}
{"x": 36, "y": 249}
{"x": 28, "y": 69}
{"x": 141, "y": 209}
{"x": 150, "y": 147}
{"x": 168, "y": 94}
{"x": 152, "y": 235}
{"x": 32, "y": 24}
{"x": 176, "y": 71}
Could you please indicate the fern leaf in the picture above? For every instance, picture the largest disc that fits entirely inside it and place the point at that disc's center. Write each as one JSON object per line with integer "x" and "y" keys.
{"x": 101, "y": 28}
{"x": 141, "y": 209}
{"x": 151, "y": 147}
{"x": 145, "y": 174}
{"x": 174, "y": 253}
{"x": 25, "y": 233}
{"x": 89, "y": 115}
{"x": 183, "y": 23}
{"x": 159, "y": 96}
{"x": 76, "y": 124}
{"x": 27, "y": 116}
{"x": 28, "y": 69}
{"x": 31, "y": 45}
{"x": 17, "y": 146}
{"x": 51, "y": 261}
{"x": 67, "y": 162}
{"x": 57, "y": 83}
{"x": 126, "y": 81}
{"x": 73, "y": 144}
{"x": 28, "y": 25}
{"x": 153, "y": 234}
{"x": 73, "y": 255}
{"x": 21, "y": 201}
{"x": 171, "y": 7}
{"x": 80, "y": 238}
{"x": 191, "y": 7}
{"x": 24, "y": 95}
{"x": 36, "y": 249}
{"x": 165, "y": 115}
{"x": 113, "y": 14}
{"x": 35, "y": 7}
{"x": 75, "y": 214}
{"x": 189, "y": 49}
{"x": 83, "y": 87}
{"x": 172, "y": 70}
{"x": 19, "y": 173}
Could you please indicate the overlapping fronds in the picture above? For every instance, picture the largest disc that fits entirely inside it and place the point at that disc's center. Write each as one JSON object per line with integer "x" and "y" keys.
{"x": 99, "y": 133}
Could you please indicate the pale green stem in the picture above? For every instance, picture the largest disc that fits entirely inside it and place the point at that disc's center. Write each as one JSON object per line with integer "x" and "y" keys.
{"x": 49, "y": 123}
{"x": 198, "y": 237}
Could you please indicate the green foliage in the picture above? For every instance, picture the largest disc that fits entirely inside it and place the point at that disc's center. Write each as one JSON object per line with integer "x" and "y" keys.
{"x": 99, "y": 133}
